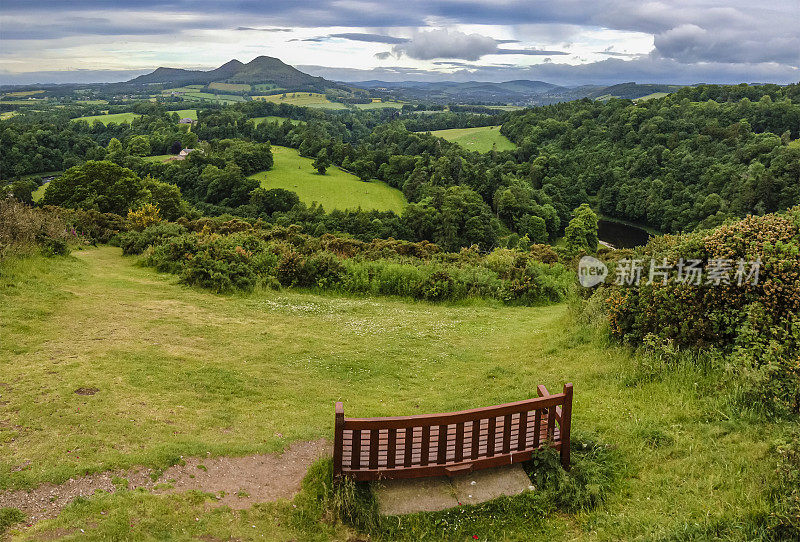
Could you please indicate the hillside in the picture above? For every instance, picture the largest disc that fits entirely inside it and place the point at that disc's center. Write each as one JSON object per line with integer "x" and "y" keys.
{"x": 519, "y": 92}
{"x": 337, "y": 189}
{"x": 262, "y": 69}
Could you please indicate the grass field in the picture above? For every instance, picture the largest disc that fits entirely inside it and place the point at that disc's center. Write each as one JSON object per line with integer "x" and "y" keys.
{"x": 186, "y": 113}
{"x": 483, "y": 139}
{"x": 336, "y": 189}
{"x": 230, "y": 87}
{"x": 183, "y": 372}
{"x": 158, "y": 157}
{"x": 22, "y": 93}
{"x": 302, "y": 99}
{"x": 380, "y": 105}
{"x": 7, "y": 114}
{"x": 128, "y": 117}
{"x": 651, "y": 96}
{"x": 221, "y": 98}
{"x": 118, "y": 118}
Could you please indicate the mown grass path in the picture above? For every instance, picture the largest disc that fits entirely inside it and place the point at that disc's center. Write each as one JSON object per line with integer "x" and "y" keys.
{"x": 179, "y": 371}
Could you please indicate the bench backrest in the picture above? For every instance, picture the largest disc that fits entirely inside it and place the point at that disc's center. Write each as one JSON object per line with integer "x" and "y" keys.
{"x": 454, "y": 442}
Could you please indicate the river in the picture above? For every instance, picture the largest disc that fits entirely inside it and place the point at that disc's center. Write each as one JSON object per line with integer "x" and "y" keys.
{"x": 621, "y": 235}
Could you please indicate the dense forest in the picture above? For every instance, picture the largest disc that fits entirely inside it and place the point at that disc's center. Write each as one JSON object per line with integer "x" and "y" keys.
{"x": 690, "y": 160}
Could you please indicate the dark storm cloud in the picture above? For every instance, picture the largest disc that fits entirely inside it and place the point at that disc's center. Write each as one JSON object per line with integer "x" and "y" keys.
{"x": 648, "y": 69}
{"x": 444, "y": 43}
{"x": 733, "y": 31}
{"x": 702, "y": 40}
{"x": 83, "y": 26}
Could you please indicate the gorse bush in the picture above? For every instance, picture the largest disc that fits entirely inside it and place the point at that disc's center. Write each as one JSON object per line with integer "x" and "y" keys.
{"x": 25, "y": 230}
{"x": 755, "y": 326}
{"x": 252, "y": 257}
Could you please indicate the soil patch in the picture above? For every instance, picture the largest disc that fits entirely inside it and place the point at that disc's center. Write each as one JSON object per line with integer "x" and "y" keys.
{"x": 238, "y": 482}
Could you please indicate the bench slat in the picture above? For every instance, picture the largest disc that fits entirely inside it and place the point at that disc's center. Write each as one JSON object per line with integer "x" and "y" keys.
{"x": 370, "y": 448}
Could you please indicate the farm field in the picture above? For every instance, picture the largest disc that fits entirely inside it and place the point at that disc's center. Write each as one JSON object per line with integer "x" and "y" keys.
{"x": 118, "y": 118}
{"x": 482, "y": 139}
{"x": 182, "y": 372}
{"x": 221, "y": 98}
{"x": 158, "y": 157}
{"x": 22, "y": 93}
{"x": 302, "y": 99}
{"x": 186, "y": 113}
{"x": 380, "y": 105}
{"x": 230, "y": 87}
{"x": 336, "y": 189}
{"x": 651, "y": 96}
{"x": 129, "y": 116}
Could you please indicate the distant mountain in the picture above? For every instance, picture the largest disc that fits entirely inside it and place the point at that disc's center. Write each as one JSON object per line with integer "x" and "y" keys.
{"x": 520, "y": 92}
{"x": 632, "y": 91}
{"x": 262, "y": 69}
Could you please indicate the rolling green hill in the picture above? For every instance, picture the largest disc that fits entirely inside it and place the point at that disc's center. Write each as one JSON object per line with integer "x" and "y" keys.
{"x": 335, "y": 190}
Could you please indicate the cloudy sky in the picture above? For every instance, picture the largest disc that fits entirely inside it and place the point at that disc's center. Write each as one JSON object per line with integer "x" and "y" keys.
{"x": 565, "y": 42}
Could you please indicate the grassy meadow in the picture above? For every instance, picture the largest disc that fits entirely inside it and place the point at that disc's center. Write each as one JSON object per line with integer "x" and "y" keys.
{"x": 184, "y": 372}
{"x": 482, "y": 139}
{"x": 302, "y": 99}
{"x": 336, "y": 189}
{"x": 128, "y": 117}
{"x": 117, "y": 118}
{"x": 230, "y": 87}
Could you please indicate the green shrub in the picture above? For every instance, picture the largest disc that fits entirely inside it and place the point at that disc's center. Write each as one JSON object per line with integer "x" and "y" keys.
{"x": 25, "y": 230}
{"x": 756, "y": 327}
{"x": 135, "y": 242}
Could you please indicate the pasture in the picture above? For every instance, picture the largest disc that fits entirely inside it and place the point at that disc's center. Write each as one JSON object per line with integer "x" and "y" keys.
{"x": 186, "y": 113}
{"x": 22, "y": 93}
{"x": 220, "y": 98}
{"x": 482, "y": 139}
{"x": 179, "y": 372}
{"x": 117, "y": 118}
{"x": 380, "y": 105}
{"x": 230, "y": 87}
{"x": 302, "y": 99}
{"x": 336, "y": 189}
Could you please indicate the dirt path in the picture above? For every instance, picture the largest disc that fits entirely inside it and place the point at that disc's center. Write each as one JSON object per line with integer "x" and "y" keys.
{"x": 238, "y": 482}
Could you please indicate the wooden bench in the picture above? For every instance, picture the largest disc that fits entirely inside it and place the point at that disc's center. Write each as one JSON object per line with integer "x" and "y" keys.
{"x": 451, "y": 443}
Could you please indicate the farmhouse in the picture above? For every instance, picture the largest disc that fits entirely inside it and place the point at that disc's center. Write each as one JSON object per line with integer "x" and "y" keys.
{"x": 185, "y": 121}
{"x": 185, "y": 152}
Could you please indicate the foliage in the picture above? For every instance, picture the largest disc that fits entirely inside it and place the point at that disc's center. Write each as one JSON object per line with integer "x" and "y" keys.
{"x": 101, "y": 186}
{"x": 143, "y": 217}
{"x": 691, "y": 159}
{"x": 581, "y": 232}
{"x": 24, "y": 230}
{"x": 95, "y": 226}
{"x": 251, "y": 256}
{"x": 322, "y": 162}
{"x": 757, "y": 326}
{"x": 274, "y": 200}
